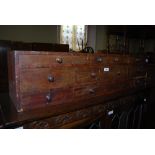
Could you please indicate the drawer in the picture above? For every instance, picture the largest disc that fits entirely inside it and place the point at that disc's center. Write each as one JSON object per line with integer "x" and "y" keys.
{"x": 87, "y": 74}
{"x": 137, "y": 60}
{"x": 101, "y": 89}
{"x": 63, "y": 77}
{"x": 51, "y": 97}
{"x": 33, "y": 61}
{"x": 60, "y": 60}
{"x": 113, "y": 73}
{"x": 87, "y": 91}
{"x": 117, "y": 59}
{"x": 108, "y": 59}
{"x": 32, "y": 80}
{"x": 46, "y": 60}
{"x": 41, "y": 79}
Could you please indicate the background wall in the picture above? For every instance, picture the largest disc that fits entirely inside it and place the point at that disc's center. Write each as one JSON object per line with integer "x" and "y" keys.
{"x": 101, "y": 37}
{"x": 91, "y": 39}
{"x": 97, "y": 35}
{"x": 50, "y": 33}
{"x": 149, "y": 45}
{"x": 29, "y": 33}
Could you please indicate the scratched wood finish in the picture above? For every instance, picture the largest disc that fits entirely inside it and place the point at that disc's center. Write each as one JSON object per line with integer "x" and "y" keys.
{"x": 40, "y": 79}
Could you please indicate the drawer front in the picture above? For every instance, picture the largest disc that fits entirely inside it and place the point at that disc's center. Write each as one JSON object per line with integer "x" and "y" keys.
{"x": 39, "y": 61}
{"x": 113, "y": 73}
{"x": 42, "y": 79}
{"x": 108, "y": 59}
{"x": 116, "y": 59}
{"x": 87, "y": 91}
{"x": 137, "y": 60}
{"x": 33, "y": 61}
{"x": 101, "y": 89}
{"x": 87, "y": 74}
{"x": 60, "y": 60}
{"x": 33, "y": 80}
{"x": 51, "y": 97}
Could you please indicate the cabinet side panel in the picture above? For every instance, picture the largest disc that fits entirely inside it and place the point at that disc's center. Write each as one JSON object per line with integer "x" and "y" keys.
{"x": 13, "y": 82}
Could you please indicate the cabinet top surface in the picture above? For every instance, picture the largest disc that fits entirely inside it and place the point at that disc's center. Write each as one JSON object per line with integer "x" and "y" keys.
{"x": 19, "y": 52}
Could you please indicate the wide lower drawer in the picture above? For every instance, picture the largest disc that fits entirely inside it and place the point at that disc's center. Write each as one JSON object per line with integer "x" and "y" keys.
{"x": 100, "y": 89}
{"x": 50, "y": 97}
{"x": 104, "y": 73}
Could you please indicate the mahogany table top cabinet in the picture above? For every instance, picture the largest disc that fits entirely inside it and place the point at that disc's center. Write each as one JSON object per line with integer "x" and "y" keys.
{"x": 74, "y": 90}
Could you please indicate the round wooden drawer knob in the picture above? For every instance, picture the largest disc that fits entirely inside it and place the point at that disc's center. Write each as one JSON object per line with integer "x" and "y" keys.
{"x": 93, "y": 74}
{"x": 92, "y": 91}
{"x": 99, "y": 59}
{"x": 59, "y": 60}
{"x": 51, "y": 78}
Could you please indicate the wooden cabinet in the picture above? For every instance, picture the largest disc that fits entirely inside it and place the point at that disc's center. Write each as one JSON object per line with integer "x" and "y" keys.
{"x": 39, "y": 79}
{"x": 78, "y": 90}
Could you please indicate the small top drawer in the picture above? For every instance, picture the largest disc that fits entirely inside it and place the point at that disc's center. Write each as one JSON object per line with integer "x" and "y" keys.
{"x": 108, "y": 59}
{"x": 116, "y": 59}
{"x": 48, "y": 60}
{"x": 40, "y": 61}
{"x": 33, "y": 61}
{"x": 137, "y": 60}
